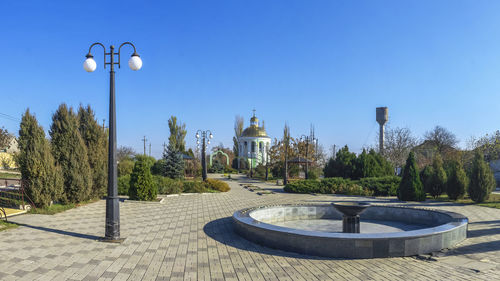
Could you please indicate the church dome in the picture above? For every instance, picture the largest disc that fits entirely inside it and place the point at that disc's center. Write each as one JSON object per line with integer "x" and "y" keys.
{"x": 254, "y": 130}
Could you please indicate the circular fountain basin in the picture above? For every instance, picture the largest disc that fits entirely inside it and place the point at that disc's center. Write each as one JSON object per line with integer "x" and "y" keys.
{"x": 386, "y": 231}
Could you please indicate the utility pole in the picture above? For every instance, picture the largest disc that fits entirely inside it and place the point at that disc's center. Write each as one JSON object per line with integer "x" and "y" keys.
{"x": 144, "y": 141}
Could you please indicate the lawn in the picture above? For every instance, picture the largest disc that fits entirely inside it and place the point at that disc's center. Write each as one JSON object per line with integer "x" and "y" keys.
{"x": 6, "y": 225}
{"x": 58, "y": 208}
{"x": 492, "y": 202}
{"x": 9, "y": 176}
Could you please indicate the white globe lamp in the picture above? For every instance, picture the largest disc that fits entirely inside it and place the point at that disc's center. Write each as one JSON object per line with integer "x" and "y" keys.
{"x": 89, "y": 64}
{"x": 135, "y": 62}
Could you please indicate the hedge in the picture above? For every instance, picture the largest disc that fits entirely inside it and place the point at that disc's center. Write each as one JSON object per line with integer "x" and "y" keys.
{"x": 381, "y": 186}
{"x": 327, "y": 186}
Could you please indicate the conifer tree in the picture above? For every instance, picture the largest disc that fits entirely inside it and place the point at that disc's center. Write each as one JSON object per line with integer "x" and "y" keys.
{"x": 174, "y": 164}
{"x": 70, "y": 153}
{"x": 142, "y": 186}
{"x": 410, "y": 188}
{"x": 438, "y": 177}
{"x": 457, "y": 181}
{"x": 42, "y": 179}
{"x": 482, "y": 181}
{"x": 95, "y": 139}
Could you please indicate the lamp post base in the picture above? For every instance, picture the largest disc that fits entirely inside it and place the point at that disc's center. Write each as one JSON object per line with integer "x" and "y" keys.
{"x": 109, "y": 240}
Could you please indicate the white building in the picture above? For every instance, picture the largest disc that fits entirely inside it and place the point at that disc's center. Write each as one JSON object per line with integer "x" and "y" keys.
{"x": 254, "y": 144}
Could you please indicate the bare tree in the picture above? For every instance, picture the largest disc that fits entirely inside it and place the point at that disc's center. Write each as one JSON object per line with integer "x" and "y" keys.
{"x": 441, "y": 138}
{"x": 238, "y": 130}
{"x": 124, "y": 152}
{"x": 398, "y": 144}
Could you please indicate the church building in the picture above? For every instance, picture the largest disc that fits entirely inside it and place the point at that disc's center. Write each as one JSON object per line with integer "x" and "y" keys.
{"x": 254, "y": 144}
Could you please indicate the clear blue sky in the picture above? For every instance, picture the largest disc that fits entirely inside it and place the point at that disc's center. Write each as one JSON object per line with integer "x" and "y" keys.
{"x": 329, "y": 63}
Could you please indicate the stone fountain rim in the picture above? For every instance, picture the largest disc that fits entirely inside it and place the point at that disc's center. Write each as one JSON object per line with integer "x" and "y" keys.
{"x": 456, "y": 220}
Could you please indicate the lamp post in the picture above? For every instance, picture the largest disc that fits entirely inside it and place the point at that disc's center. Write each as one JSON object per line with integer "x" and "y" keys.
{"x": 112, "y": 227}
{"x": 307, "y": 139}
{"x": 203, "y": 135}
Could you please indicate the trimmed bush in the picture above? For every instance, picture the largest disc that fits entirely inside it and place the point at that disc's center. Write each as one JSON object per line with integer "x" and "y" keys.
{"x": 142, "y": 186}
{"x": 167, "y": 185}
{"x": 194, "y": 187}
{"x": 410, "y": 188}
{"x": 482, "y": 181}
{"x": 327, "y": 186}
{"x": 381, "y": 186}
{"x": 457, "y": 181}
{"x": 123, "y": 184}
{"x": 217, "y": 185}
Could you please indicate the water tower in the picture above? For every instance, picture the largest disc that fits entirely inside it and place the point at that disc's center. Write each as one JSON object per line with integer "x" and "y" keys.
{"x": 382, "y": 118}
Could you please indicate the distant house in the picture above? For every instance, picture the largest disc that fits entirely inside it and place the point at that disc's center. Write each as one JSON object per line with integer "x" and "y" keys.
{"x": 11, "y": 147}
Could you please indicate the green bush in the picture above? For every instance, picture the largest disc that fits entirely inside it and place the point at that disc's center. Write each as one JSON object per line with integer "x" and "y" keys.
{"x": 194, "y": 187}
{"x": 438, "y": 178}
{"x": 142, "y": 186}
{"x": 217, "y": 185}
{"x": 410, "y": 188}
{"x": 457, "y": 181}
{"x": 167, "y": 185}
{"x": 426, "y": 178}
{"x": 123, "y": 184}
{"x": 158, "y": 167}
{"x": 482, "y": 181}
{"x": 125, "y": 167}
{"x": 216, "y": 168}
{"x": 381, "y": 186}
{"x": 327, "y": 186}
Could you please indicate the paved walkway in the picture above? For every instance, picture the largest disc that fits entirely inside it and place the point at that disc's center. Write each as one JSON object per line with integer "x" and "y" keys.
{"x": 190, "y": 237}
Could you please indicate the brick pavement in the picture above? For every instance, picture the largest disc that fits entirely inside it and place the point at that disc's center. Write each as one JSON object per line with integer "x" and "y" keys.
{"x": 189, "y": 237}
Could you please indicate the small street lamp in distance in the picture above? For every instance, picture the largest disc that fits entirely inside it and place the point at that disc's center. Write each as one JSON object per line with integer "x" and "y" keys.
{"x": 112, "y": 226}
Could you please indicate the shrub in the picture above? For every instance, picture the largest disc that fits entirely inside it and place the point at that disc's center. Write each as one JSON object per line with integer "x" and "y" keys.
{"x": 457, "y": 181}
{"x": 217, "y": 185}
{"x": 482, "y": 181}
{"x": 158, "y": 167}
{"x": 438, "y": 178}
{"x": 342, "y": 166}
{"x": 167, "y": 185}
{"x": 327, "y": 186}
{"x": 371, "y": 164}
{"x": 410, "y": 188}
{"x": 381, "y": 186}
{"x": 123, "y": 184}
{"x": 142, "y": 186}
{"x": 216, "y": 168}
{"x": 194, "y": 187}
{"x": 125, "y": 167}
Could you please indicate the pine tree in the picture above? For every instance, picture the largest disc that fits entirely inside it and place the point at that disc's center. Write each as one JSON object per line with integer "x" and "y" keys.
{"x": 482, "y": 181}
{"x": 174, "y": 164}
{"x": 95, "y": 139}
{"x": 410, "y": 188}
{"x": 42, "y": 179}
{"x": 142, "y": 186}
{"x": 426, "y": 178}
{"x": 70, "y": 153}
{"x": 457, "y": 181}
{"x": 438, "y": 177}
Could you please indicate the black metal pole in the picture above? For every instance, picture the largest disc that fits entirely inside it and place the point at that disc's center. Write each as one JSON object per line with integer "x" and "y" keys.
{"x": 203, "y": 160}
{"x": 112, "y": 203}
{"x": 285, "y": 176}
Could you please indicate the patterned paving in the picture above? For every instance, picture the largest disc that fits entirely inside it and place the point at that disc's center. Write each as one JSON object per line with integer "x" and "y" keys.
{"x": 190, "y": 237}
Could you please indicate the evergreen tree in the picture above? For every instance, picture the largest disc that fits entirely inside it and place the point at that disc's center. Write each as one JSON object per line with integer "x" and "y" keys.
{"x": 95, "y": 139}
{"x": 482, "y": 181}
{"x": 342, "y": 166}
{"x": 426, "y": 178}
{"x": 371, "y": 164}
{"x": 142, "y": 186}
{"x": 158, "y": 167}
{"x": 438, "y": 177}
{"x": 410, "y": 188}
{"x": 70, "y": 153}
{"x": 177, "y": 134}
{"x": 457, "y": 181}
{"x": 43, "y": 181}
{"x": 174, "y": 164}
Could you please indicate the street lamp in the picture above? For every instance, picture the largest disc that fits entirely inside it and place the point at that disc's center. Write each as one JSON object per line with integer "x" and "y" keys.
{"x": 112, "y": 228}
{"x": 307, "y": 139}
{"x": 203, "y": 135}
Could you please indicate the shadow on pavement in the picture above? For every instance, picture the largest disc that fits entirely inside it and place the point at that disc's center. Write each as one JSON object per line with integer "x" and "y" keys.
{"x": 62, "y": 232}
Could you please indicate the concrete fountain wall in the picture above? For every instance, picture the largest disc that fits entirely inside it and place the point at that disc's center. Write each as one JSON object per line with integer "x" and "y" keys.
{"x": 441, "y": 230}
